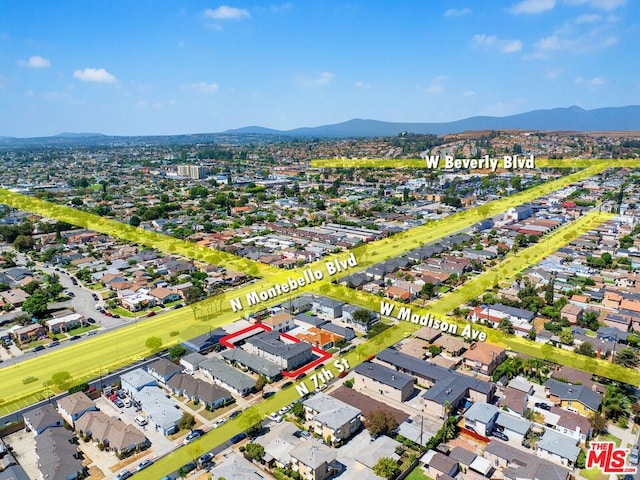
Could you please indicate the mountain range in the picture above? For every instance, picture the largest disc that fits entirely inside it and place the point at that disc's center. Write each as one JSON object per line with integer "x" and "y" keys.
{"x": 557, "y": 119}
{"x": 567, "y": 119}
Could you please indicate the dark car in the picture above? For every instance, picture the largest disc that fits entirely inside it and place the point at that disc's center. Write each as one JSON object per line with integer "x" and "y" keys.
{"x": 55, "y": 343}
{"x": 75, "y": 337}
{"x": 95, "y": 297}
{"x": 91, "y": 320}
{"x": 500, "y": 435}
{"x": 301, "y": 376}
{"x": 238, "y": 438}
{"x": 287, "y": 384}
{"x": 151, "y": 314}
{"x": 176, "y": 307}
{"x": 268, "y": 394}
{"x": 119, "y": 403}
{"x": 188, "y": 467}
{"x": 74, "y": 281}
{"x": 38, "y": 348}
{"x": 115, "y": 315}
{"x": 543, "y": 406}
{"x": 234, "y": 414}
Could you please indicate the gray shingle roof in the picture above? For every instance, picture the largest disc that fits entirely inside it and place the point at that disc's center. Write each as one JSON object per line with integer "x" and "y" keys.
{"x": 384, "y": 375}
{"x": 555, "y": 442}
{"x": 580, "y": 393}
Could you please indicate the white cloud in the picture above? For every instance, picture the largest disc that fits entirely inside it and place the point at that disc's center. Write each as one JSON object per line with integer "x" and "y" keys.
{"x": 532, "y": 7}
{"x": 323, "y": 79}
{"x": 436, "y": 84}
{"x": 588, "y": 18}
{"x": 225, "y": 12}
{"x": 553, "y": 73}
{"x": 580, "y": 43}
{"x": 202, "y": 87}
{"x": 458, "y": 12}
{"x": 592, "y": 83}
{"x": 493, "y": 42}
{"x": 360, "y": 84}
{"x": 468, "y": 93}
{"x": 599, "y": 4}
{"x": 281, "y": 7}
{"x": 98, "y": 75}
{"x": 36, "y": 61}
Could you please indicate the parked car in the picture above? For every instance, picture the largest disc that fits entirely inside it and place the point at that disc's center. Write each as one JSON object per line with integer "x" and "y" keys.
{"x": 205, "y": 459}
{"x": 151, "y": 313}
{"x": 91, "y": 332}
{"x": 37, "y": 348}
{"x": 140, "y": 420}
{"x": 91, "y": 320}
{"x": 287, "y": 384}
{"x": 268, "y": 394}
{"x": 94, "y": 296}
{"x": 179, "y": 305}
{"x": 234, "y": 414}
{"x": 238, "y": 438}
{"x": 192, "y": 436}
{"x": 220, "y": 422}
{"x": 500, "y": 435}
{"x": 188, "y": 467}
{"x": 119, "y": 403}
{"x": 543, "y": 406}
{"x": 634, "y": 456}
{"x": 55, "y": 343}
{"x": 127, "y": 402}
{"x": 144, "y": 464}
{"x": 75, "y": 337}
{"x": 71, "y": 294}
{"x": 124, "y": 474}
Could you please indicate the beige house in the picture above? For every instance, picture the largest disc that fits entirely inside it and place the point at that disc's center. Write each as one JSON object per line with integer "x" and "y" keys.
{"x": 373, "y": 377}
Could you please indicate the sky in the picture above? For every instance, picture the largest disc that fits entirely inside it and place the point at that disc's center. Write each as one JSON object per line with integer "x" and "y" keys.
{"x": 157, "y": 67}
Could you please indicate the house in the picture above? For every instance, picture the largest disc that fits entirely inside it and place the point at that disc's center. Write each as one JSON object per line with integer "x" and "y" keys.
{"x": 573, "y": 313}
{"x": 570, "y": 424}
{"x": 56, "y": 456}
{"x": 278, "y": 442}
{"x": 196, "y": 390}
{"x": 40, "y": 419}
{"x": 521, "y": 465}
{"x": 359, "y": 324}
{"x": 273, "y": 347}
{"x": 135, "y": 380}
{"x": 436, "y": 465}
{"x": 236, "y": 467}
{"x": 14, "y": 297}
{"x": 513, "y": 400}
{"x": 163, "y": 413}
{"x": 281, "y": 322}
{"x": 383, "y": 380}
{"x": 575, "y": 398}
{"x": 191, "y": 362}
{"x": 135, "y": 302}
{"x": 481, "y": 418}
{"x": 298, "y": 305}
{"x": 112, "y": 433}
{"x": 558, "y": 448}
{"x": 65, "y": 323}
{"x": 163, "y": 295}
{"x": 227, "y": 377}
{"x": 163, "y": 369}
{"x": 74, "y": 406}
{"x": 612, "y": 334}
{"x": 381, "y": 447}
{"x": 327, "y": 307}
{"x": 484, "y": 358}
{"x": 313, "y": 460}
{"x": 514, "y": 427}
{"x": 332, "y": 418}
{"x": 28, "y": 333}
{"x": 253, "y": 362}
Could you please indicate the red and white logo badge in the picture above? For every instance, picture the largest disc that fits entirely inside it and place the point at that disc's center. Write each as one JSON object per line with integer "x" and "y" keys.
{"x": 608, "y": 458}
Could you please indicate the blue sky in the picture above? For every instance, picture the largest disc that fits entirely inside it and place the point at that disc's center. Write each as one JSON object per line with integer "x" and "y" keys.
{"x": 148, "y": 67}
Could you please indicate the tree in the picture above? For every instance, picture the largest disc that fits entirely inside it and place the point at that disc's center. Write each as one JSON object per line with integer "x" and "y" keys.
{"x": 154, "y": 344}
{"x": 31, "y": 287}
{"x": 61, "y": 379}
{"x": 566, "y": 337}
{"x": 586, "y": 349}
{"x": 186, "y": 421}
{"x": 549, "y": 291}
{"x": 381, "y": 422}
{"x": 627, "y": 357}
{"x": 427, "y": 291}
{"x": 135, "y": 221}
{"x": 193, "y": 294}
{"x": 615, "y": 404}
{"x": 520, "y": 240}
{"x": 589, "y": 320}
{"x": 23, "y": 243}
{"x": 36, "y": 305}
{"x": 261, "y": 382}
{"x": 506, "y": 326}
{"x": 176, "y": 352}
{"x": 386, "y": 467}
{"x": 255, "y": 451}
{"x": 598, "y": 423}
{"x": 298, "y": 410}
{"x": 363, "y": 316}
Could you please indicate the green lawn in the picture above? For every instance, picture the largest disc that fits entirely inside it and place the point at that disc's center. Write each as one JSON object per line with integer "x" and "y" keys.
{"x": 171, "y": 304}
{"x": 95, "y": 286}
{"x": 593, "y": 474}
{"x": 417, "y": 474}
{"x": 607, "y": 437}
{"x": 123, "y": 312}
{"x": 79, "y": 330}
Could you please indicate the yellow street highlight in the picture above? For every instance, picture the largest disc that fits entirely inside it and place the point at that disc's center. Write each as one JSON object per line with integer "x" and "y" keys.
{"x": 134, "y": 234}
{"x": 421, "y": 163}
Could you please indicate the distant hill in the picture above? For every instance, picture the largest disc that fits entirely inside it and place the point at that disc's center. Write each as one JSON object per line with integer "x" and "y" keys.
{"x": 567, "y": 119}
{"x": 558, "y": 119}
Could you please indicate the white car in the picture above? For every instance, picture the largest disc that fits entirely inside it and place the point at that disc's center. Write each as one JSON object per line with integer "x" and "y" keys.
{"x": 140, "y": 420}
{"x": 220, "y": 422}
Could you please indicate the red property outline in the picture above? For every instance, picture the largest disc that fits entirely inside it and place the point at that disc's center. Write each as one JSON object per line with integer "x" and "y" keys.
{"x": 228, "y": 342}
